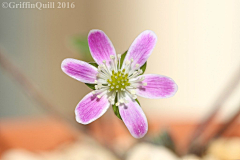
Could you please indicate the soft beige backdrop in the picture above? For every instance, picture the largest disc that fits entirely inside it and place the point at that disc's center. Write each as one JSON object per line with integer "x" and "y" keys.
{"x": 198, "y": 46}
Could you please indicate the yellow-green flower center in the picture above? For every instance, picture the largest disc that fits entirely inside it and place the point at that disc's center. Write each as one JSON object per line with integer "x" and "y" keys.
{"x": 119, "y": 81}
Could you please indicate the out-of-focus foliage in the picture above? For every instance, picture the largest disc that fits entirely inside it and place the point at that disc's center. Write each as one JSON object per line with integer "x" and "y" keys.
{"x": 164, "y": 139}
{"x": 80, "y": 43}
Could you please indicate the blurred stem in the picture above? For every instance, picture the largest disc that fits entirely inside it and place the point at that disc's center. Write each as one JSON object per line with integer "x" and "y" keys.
{"x": 194, "y": 139}
{"x": 36, "y": 95}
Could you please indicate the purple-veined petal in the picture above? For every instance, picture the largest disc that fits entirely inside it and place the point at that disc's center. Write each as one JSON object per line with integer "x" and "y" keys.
{"x": 141, "y": 48}
{"x": 91, "y": 108}
{"x": 79, "y": 70}
{"x": 100, "y": 46}
{"x": 158, "y": 86}
{"x": 134, "y": 118}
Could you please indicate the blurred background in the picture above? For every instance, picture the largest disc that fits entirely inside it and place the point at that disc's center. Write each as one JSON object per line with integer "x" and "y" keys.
{"x": 198, "y": 47}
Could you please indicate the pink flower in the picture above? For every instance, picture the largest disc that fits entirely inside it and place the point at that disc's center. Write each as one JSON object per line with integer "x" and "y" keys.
{"x": 118, "y": 84}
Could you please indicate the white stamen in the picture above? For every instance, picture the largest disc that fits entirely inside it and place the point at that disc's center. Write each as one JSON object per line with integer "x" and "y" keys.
{"x": 128, "y": 66}
{"x": 119, "y": 56}
{"x": 133, "y": 69}
{"x": 100, "y": 85}
{"x": 103, "y": 70}
{"x": 116, "y": 92}
{"x": 133, "y": 92}
{"x": 112, "y": 56}
{"x": 130, "y": 95}
{"x": 99, "y": 91}
{"x": 101, "y": 94}
{"x": 119, "y": 59}
{"x": 136, "y": 73}
{"x": 114, "y": 63}
{"x": 121, "y": 100}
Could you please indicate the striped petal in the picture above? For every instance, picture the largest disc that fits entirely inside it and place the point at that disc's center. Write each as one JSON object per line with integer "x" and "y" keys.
{"x": 158, "y": 86}
{"x": 134, "y": 118}
{"x": 141, "y": 48}
{"x": 91, "y": 108}
{"x": 79, "y": 70}
{"x": 100, "y": 46}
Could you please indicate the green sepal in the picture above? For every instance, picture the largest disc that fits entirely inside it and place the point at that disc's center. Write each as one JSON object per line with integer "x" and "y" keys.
{"x": 116, "y": 110}
{"x": 92, "y": 86}
{"x": 122, "y": 58}
{"x": 138, "y": 102}
{"x": 94, "y": 64}
{"x": 143, "y": 68}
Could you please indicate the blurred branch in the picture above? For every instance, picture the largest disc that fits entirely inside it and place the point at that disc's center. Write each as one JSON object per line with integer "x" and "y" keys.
{"x": 31, "y": 90}
{"x": 36, "y": 95}
{"x": 194, "y": 139}
{"x": 200, "y": 147}
{"x": 227, "y": 125}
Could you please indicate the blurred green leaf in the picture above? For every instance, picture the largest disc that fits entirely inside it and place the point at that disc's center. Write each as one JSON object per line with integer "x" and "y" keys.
{"x": 81, "y": 44}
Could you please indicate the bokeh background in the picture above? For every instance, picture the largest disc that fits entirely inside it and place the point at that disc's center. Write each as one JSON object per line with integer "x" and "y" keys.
{"x": 198, "y": 47}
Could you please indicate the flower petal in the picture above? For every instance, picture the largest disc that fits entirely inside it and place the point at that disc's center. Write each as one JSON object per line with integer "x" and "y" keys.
{"x": 134, "y": 118}
{"x": 100, "y": 46}
{"x": 79, "y": 70}
{"x": 91, "y": 108}
{"x": 158, "y": 86}
{"x": 141, "y": 48}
